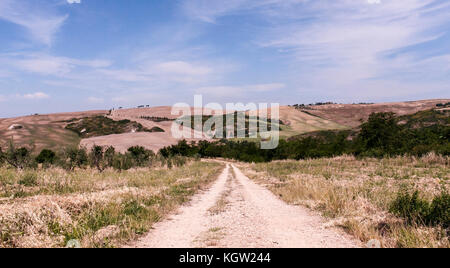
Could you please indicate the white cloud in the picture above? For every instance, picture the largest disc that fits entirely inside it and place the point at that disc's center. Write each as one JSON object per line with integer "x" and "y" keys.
{"x": 174, "y": 71}
{"x": 95, "y": 100}
{"x": 35, "y": 96}
{"x": 27, "y": 96}
{"x": 74, "y": 1}
{"x": 182, "y": 68}
{"x": 41, "y": 24}
{"x": 49, "y": 65}
{"x": 352, "y": 48}
{"x": 230, "y": 91}
{"x": 208, "y": 11}
{"x": 345, "y": 48}
{"x": 264, "y": 87}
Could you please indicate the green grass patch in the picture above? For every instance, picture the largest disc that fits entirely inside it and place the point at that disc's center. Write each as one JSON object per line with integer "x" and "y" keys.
{"x": 102, "y": 126}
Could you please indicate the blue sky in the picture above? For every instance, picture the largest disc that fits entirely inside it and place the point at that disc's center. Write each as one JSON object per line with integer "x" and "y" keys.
{"x": 70, "y": 55}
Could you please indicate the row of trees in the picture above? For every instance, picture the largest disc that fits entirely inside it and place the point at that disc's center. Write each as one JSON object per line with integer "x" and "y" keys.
{"x": 98, "y": 157}
{"x": 381, "y": 135}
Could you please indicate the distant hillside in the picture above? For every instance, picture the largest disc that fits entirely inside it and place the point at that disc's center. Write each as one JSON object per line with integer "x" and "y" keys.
{"x": 298, "y": 122}
{"x": 352, "y": 115}
{"x": 432, "y": 120}
{"x": 382, "y": 135}
{"x": 43, "y": 131}
{"x": 49, "y": 131}
{"x": 426, "y": 119}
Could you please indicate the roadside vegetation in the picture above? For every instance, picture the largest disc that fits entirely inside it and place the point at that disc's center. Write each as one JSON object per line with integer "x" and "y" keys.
{"x": 48, "y": 207}
{"x": 99, "y": 197}
{"x": 402, "y": 201}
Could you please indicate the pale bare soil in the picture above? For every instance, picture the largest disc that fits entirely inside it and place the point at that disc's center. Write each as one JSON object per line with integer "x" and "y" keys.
{"x": 236, "y": 212}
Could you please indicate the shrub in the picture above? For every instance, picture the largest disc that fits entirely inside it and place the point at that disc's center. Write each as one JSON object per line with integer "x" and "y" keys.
{"x": 134, "y": 208}
{"x": 156, "y": 129}
{"x": 419, "y": 211}
{"x": 46, "y": 157}
{"x": 122, "y": 162}
{"x": 29, "y": 179}
{"x": 179, "y": 161}
{"x": 19, "y": 158}
{"x": 440, "y": 210}
{"x": 109, "y": 156}
{"x": 411, "y": 207}
{"x": 140, "y": 155}
{"x": 97, "y": 158}
{"x": 74, "y": 157}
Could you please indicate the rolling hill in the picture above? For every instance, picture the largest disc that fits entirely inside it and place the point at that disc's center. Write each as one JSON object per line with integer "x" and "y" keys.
{"x": 351, "y": 115}
{"x": 50, "y": 131}
{"x": 44, "y": 131}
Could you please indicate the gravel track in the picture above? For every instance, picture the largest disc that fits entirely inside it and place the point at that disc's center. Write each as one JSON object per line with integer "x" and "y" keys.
{"x": 236, "y": 212}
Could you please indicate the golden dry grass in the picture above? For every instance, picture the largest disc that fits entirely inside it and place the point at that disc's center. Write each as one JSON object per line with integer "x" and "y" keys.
{"x": 351, "y": 115}
{"x": 98, "y": 209}
{"x": 43, "y": 131}
{"x": 356, "y": 194}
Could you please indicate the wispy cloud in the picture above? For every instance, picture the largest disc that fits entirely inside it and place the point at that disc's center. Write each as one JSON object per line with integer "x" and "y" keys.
{"x": 182, "y": 68}
{"x": 35, "y": 96}
{"x": 50, "y": 65}
{"x": 41, "y": 23}
{"x": 95, "y": 100}
{"x": 346, "y": 47}
{"x": 228, "y": 91}
{"x": 27, "y": 96}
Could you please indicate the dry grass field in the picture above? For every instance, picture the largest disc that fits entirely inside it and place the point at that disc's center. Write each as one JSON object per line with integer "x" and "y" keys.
{"x": 351, "y": 115}
{"x": 48, "y": 208}
{"x": 297, "y": 122}
{"x": 356, "y": 194}
{"x": 43, "y": 131}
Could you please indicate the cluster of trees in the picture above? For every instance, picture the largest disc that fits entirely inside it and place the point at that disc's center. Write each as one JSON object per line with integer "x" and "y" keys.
{"x": 381, "y": 135}
{"x": 302, "y": 105}
{"x": 98, "y": 157}
{"x": 156, "y": 118}
{"x": 95, "y": 126}
{"x": 443, "y": 105}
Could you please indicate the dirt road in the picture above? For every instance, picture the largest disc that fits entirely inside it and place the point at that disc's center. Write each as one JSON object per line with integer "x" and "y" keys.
{"x": 236, "y": 212}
